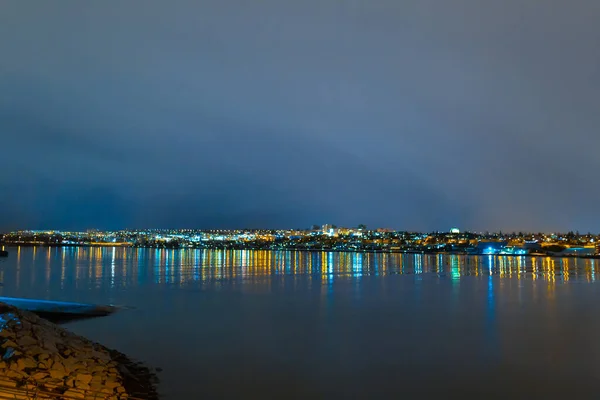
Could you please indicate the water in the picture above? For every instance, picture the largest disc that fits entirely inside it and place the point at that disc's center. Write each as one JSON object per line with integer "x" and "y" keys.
{"x": 248, "y": 324}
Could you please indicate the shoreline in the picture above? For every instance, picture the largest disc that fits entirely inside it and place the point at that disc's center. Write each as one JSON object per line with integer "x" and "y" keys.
{"x": 39, "y": 359}
{"x": 370, "y": 251}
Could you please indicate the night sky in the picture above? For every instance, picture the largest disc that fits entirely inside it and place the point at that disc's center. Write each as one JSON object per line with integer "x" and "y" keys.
{"x": 416, "y": 115}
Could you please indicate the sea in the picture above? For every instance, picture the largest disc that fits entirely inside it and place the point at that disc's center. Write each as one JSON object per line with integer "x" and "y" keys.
{"x": 245, "y": 324}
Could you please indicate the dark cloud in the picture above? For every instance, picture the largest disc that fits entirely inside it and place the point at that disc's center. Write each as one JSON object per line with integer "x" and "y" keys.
{"x": 415, "y": 114}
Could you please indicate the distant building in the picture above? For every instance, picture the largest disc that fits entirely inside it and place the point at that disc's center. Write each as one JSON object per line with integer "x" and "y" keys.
{"x": 514, "y": 250}
{"x": 486, "y": 247}
{"x": 532, "y": 246}
{"x": 326, "y": 228}
{"x": 344, "y": 231}
{"x": 588, "y": 251}
{"x": 455, "y": 230}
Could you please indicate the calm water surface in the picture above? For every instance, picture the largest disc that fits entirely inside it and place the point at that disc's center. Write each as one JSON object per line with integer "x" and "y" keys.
{"x": 250, "y": 324}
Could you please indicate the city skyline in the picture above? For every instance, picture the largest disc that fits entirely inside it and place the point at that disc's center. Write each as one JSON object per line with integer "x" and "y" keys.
{"x": 313, "y": 227}
{"x": 326, "y": 238}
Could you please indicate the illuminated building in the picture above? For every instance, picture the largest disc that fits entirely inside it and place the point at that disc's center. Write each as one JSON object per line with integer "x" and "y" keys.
{"x": 588, "y": 251}
{"x": 485, "y": 247}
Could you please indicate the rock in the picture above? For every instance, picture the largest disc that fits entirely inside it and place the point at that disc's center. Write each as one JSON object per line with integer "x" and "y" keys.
{"x": 82, "y": 386}
{"x": 50, "y": 381}
{"x": 20, "y": 397}
{"x": 101, "y": 356}
{"x": 84, "y": 378}
{"x": 74, "y": 394}
{"x": 51, "y": 349}
{"x": 5, "y": 333}
{"x": 49, "y": 341}
{"x": 14, "y": 374}
{"x": 96, "y": 386}
{"x": 30, "y": 363}
{"x": 112, "y": 385}
{"x": 81, "y": 365}
{"x": 30, "y": 387}
{"x": 39, "y": 352}
{"x": 9, "y": 343}
{"x": 45, "y": 357}
{"x": 97, "y": 369}
{"x": 17, "y": 366}
{"x": 38, "y": 376}
{"x": 9, "y": 384}
{"x": 70, "y": 364}
{"x": 56, "y": 374}
{"x": 27, "y": 341}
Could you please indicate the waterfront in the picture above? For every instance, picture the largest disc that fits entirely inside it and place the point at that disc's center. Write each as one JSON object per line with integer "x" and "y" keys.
{"x": 299, "y": 324}
{"x": 325, "y": 238}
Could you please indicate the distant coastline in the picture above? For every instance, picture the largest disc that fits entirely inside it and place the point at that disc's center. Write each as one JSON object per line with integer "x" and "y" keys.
{"x": 325, "y": 238}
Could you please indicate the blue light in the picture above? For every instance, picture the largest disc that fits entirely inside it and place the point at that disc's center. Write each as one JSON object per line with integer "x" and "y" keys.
{"x": 489, "y": 250}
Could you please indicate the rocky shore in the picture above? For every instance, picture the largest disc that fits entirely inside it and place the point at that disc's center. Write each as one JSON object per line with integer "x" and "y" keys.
{"x": 41, "y": 360}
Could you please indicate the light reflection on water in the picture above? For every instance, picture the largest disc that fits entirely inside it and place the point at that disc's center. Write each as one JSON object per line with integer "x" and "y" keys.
{"x": 129, "y": 267}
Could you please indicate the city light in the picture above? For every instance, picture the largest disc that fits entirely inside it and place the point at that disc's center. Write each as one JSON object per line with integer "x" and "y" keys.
{"x": 325, "y": 237}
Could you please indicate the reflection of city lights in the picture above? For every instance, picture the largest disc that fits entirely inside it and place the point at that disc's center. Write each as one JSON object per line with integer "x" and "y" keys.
{"x": 455, "y": 268}
{"x": 112, "y": 269}
{"x": 357, "y": 265}
{"x": 118, "y": 267}
{"x": 418, "y": 265}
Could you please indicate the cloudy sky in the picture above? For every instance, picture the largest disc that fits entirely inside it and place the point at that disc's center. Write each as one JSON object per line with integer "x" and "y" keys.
{"x": 409, "y": 114}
